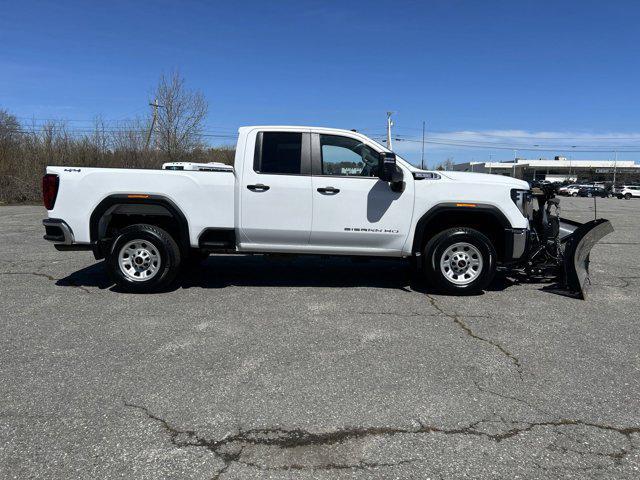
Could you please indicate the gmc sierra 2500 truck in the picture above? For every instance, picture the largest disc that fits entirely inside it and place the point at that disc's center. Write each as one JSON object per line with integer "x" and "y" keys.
{"x": 306, "y": 190}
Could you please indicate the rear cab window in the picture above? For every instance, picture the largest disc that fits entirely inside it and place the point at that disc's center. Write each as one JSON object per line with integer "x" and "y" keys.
{"x": 281, "y": 153}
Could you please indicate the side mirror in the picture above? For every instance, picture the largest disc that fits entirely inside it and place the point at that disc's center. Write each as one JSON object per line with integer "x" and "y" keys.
{"x": 387, "y": 169}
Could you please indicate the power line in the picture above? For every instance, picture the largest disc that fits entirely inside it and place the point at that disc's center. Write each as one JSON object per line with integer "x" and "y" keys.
{"x": 531, "y": 136}
{"x": 106, "y": 130}
{"x": 522, "y": 147}
{"x": 213, "y": 133}
{"x": 512, "y": 145}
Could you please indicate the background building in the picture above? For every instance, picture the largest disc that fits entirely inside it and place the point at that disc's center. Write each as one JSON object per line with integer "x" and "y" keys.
{"x": 559, "y": 169}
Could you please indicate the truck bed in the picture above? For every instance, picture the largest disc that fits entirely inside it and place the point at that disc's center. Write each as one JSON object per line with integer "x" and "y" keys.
{"x": 207, "y": 196}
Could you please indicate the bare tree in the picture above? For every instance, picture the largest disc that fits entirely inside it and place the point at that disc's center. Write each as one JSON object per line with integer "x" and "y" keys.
{"x": 446, "y": 165}
{"x": 9, "y": 126}
{"x": 223, "y": 154}
{"x": 180, "y": 117}
{"x": 130, "y": 136}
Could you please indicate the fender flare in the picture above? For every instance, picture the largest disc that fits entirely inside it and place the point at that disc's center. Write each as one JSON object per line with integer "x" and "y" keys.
{"x": 440, "y": 208}
{"x": 138, "y": 199}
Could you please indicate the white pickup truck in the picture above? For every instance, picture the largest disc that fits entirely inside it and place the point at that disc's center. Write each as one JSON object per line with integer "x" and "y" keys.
{"x": 306, "y": 190}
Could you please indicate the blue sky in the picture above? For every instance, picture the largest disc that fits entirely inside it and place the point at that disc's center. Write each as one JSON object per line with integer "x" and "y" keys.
{"x": 561, "y": 74}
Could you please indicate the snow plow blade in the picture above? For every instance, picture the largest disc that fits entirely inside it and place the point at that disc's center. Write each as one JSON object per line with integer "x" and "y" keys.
{"x": 578, "y": 241}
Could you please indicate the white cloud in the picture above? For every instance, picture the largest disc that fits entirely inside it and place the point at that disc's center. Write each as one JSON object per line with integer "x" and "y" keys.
{"x": 465, "y": 145}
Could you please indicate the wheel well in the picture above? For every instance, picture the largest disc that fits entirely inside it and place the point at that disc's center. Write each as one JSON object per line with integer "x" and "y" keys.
{"x": 485, "y": 221}
{"x": 114, "y": 213}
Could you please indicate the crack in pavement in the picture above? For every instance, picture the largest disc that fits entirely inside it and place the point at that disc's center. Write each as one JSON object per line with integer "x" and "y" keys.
{"x": 509, "y": 397}
{"x": 616, "y": 456}
{"x": 619, "y": 243}
{"x": 230, "y": 448}
{"x": 415, "y": 314}
{"x": 49, "y": 277}
{"x": 276, "y": 437}
{"x": 626, "y": 280}
{"x": 457, "y": 319}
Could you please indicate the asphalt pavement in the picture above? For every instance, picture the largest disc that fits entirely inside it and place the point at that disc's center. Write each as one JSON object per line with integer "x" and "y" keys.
{"x": 301, "y": 368}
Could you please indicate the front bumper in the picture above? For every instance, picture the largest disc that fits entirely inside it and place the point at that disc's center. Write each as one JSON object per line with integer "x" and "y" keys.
{"x": 515, "y": 243}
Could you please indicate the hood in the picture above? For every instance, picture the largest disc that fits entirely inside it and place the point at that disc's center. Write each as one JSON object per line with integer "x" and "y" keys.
{"x": 485, "y": 178}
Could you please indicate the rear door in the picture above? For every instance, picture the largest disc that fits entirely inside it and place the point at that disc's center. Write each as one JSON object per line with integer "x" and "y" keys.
{"x": 353, "y": 210}
{"x": 275, "y": 191}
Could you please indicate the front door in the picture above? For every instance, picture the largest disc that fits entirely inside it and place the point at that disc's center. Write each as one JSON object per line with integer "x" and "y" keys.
{"x": 352, "y": 208}
{"x": 275, "y": 196}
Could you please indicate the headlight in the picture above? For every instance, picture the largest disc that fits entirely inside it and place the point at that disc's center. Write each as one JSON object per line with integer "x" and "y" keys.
{"x": 523, "y": 200}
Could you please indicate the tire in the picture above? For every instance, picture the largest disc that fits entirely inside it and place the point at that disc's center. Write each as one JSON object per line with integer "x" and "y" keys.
{"x": 574, "y": 194}
{"x": 627, "y": 196}
{"x": 147, "y": 246}
{"x": 472, "y": 249}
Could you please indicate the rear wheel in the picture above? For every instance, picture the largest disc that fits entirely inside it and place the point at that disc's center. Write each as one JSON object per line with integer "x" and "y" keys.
{"x": 574, "y": 194}
{"x": 143, "y": 258}
{"x": 627, "y": 196}
{"x": 460, "y": 261}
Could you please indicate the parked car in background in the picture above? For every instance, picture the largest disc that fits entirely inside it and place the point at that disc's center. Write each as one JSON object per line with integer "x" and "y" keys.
{"x": 563, "y": 189}
{"x": 570, "y": 190}
{"x": 539, "y": 183}
{"x": 593, "y": 192}
{"x": 627, "y": 191}
{"x": 546, "y": 185}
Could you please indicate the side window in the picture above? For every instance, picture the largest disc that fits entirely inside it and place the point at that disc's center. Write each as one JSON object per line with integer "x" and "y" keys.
{"x": 348, "y": 157}
{"x": 279, "y": 152}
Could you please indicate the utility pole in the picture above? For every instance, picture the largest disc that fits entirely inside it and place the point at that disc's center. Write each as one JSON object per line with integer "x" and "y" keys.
{"x": 389, "y": 125}
{"x": 615, "y": 165}
{"x": 570, "y": 162}
{"x": 153, "y": 121}
{"x": 515, "y": 162}
{"x": 422, "y": 162}
{"x": 490, "y": 162}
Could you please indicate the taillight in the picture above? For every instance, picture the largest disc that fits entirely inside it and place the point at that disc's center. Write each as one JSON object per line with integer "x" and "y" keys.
{"x": 50, "y": 183}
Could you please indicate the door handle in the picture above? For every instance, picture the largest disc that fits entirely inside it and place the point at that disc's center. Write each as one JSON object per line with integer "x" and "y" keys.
{"x": 330, "y": 190}
{"x": 258, "y": 187}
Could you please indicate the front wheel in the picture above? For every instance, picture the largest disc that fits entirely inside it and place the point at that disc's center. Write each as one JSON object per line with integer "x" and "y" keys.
{"x": 143, "y": 258}
{"x": 627, "y": 196}
{"x": 460, "y": 261}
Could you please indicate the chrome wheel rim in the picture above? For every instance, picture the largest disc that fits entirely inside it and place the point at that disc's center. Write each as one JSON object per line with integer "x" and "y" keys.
{"x": 139, "y": 260}
{"x": 461, "y": 263}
